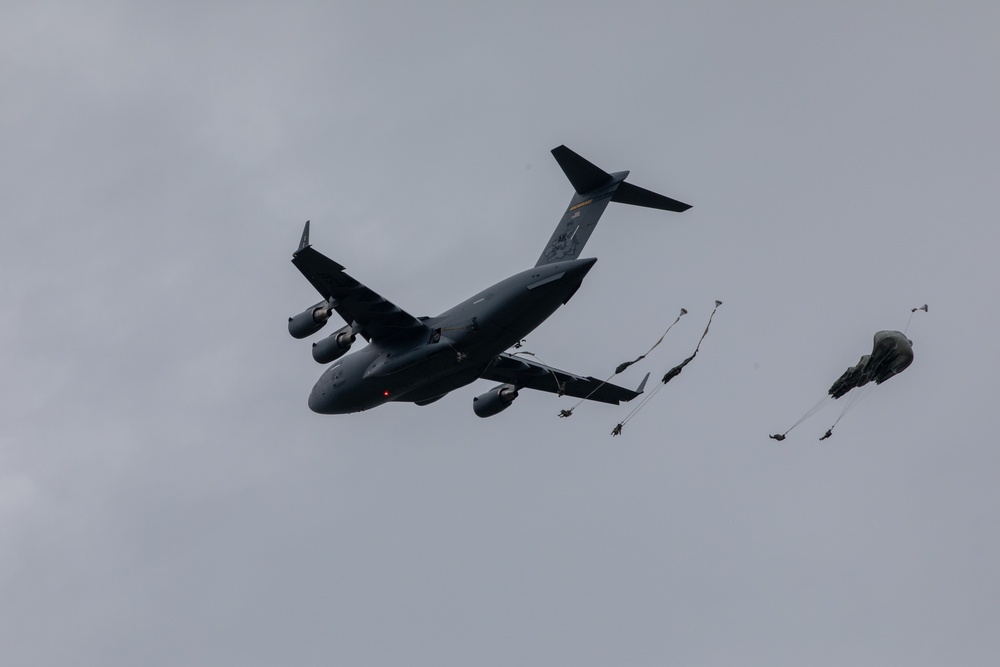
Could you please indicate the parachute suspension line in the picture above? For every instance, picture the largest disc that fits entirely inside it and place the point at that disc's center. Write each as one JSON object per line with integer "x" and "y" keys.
{"x": 853, "y": 399}
{"x": 819, "y": 405}
{"x": 560, "y": 386}
{"x": 621, "y": 367}
{"x": 670, "y": 375}
{"x": 645, "y": 399}
{"x": 717, "y": 304}
{"x": 912, "y": 312}
{"x": 569, "y": 413}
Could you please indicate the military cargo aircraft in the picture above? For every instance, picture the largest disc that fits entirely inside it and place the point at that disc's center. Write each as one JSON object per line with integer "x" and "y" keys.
{"x": 421, "y": 359}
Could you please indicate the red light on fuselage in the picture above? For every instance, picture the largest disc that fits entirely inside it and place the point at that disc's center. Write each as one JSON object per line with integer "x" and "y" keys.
{"x": 385, "y": 393}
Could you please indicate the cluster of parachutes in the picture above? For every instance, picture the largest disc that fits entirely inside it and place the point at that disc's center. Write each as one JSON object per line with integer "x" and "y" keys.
{"x": 892, "y": 353}
{"x": 667, "y": 377}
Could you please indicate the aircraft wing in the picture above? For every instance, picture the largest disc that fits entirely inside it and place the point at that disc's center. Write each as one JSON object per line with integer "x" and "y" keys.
{"x": 376, "y": 317}
{"x": 522, "y": 372}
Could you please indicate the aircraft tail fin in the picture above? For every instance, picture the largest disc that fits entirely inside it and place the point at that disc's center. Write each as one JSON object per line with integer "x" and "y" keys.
{"x": 583, "y": 174}
{"x": 594, "y": 189}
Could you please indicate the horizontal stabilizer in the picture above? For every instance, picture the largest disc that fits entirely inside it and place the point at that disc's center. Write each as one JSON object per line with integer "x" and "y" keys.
{"x": 636, "y": 196}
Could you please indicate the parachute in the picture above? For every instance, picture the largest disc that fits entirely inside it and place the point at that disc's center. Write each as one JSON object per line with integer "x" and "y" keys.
{"x": 892, "y": 353}
{"x": 622, "y": 366}
{"x": 668, "y": 376}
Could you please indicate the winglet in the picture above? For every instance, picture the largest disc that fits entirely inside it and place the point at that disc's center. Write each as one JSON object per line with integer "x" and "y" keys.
{"x": 304, "y": 241}
{"x": 642, "y": 385}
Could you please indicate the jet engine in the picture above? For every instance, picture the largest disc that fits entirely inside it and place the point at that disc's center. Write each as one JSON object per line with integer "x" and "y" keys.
{"x": 310, "y": 320}
{"x": 334, "y": 346}
{"x": 495, "y": 400}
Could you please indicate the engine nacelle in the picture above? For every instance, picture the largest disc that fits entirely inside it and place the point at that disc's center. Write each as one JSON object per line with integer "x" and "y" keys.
{"x": 334, "y": 346}
{"x": 309, "y": 321}
{"x": 495, "y": 400}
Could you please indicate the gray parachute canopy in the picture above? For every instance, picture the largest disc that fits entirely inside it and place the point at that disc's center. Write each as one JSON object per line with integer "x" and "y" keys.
{"x": 892, "y": 353}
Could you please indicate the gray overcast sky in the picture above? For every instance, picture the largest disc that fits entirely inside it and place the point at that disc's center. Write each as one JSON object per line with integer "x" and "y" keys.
{"x": 167, "y": 498}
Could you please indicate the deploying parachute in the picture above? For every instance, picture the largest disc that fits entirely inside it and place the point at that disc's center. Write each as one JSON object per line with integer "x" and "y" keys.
{"x": 668, "y": 376}
{"x": 625, "y": 364}
{"x": 892, "y": 353}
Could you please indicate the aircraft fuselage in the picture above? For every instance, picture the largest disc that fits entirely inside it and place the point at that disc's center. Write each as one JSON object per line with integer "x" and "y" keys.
{"x": 465, "y": 340}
